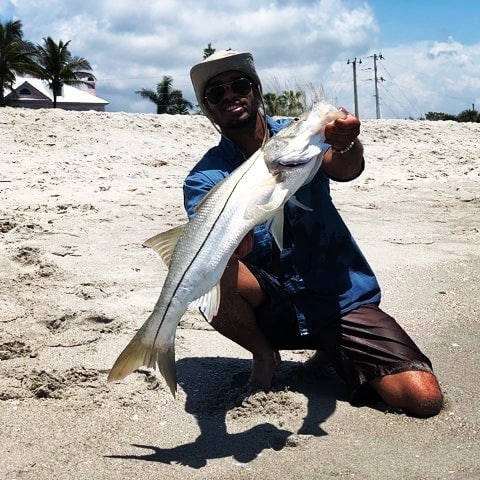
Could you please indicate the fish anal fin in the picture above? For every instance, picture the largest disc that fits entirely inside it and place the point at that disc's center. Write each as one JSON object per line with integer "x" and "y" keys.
{"x": 209, "y": 303}
{"x": 164, "y": 243}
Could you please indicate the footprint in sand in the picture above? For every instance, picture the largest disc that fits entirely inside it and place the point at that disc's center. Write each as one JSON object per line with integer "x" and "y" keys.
{"x": 55, "y": 384}
{"x": 14, "y": 349}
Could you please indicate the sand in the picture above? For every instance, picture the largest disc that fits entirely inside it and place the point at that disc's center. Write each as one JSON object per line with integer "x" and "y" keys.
{"x": 79, "y": 194}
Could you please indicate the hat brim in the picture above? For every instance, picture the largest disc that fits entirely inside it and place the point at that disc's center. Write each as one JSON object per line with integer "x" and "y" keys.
{"x": 228, "y": 60}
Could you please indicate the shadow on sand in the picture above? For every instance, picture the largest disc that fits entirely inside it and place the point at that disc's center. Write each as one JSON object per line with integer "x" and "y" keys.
{"x": 214, "y": 386}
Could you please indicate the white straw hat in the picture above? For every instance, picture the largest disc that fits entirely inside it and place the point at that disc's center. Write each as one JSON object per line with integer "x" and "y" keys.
{"x": 220, "y": 62}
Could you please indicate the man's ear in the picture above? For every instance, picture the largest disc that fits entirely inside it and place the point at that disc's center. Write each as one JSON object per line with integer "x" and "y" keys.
{"x": 207, "y": 106}
{"x": 257, "y": 93}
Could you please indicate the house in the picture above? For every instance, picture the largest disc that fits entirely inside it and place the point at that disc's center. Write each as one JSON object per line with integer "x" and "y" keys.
{"x": 35, "y": 93}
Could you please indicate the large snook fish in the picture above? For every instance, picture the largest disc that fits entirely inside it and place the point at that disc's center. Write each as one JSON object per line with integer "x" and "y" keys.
{"x": 197, "y": 253}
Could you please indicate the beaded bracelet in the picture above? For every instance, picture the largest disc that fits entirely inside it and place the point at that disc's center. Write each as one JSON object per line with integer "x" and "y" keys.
{"x": 341, "y": 151}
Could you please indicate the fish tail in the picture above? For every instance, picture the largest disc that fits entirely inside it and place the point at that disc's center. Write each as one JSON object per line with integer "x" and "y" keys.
{"x": 140, "y": 352}
{"x": 166, "y": 364}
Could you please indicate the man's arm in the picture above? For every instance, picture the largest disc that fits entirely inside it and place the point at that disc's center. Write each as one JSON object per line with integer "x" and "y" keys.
{"x": 344, "y": 161}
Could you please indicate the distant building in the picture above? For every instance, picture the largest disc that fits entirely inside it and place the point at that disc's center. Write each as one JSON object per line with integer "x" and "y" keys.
{"x": 35, "y": 93}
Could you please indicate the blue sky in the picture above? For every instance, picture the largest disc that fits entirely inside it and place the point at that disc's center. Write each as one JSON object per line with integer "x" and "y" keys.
{"x": 417, "y": 20}
{"x": 430, "y": 49}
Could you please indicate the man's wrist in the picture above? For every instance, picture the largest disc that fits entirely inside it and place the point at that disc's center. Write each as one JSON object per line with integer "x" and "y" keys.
{"x": 343, "y": 150}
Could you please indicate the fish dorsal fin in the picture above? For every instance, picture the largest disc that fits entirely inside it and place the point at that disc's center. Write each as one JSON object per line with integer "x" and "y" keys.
{"x": 208, "y": 303}
{"x": 164, "y": 243}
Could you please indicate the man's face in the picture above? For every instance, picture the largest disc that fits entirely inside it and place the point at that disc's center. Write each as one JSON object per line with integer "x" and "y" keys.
{"x": 233, "y": 110}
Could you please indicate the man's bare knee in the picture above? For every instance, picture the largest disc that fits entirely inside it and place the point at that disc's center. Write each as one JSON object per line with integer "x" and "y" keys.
{"x": 417, "y": 392}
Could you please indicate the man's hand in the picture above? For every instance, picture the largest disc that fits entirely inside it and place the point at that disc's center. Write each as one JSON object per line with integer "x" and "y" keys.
{"x": 343, "y": 131}
{"x": 344, "y": 161}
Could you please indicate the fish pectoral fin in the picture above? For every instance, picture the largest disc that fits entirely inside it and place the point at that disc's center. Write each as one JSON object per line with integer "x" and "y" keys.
{"x": 275, "y": 226}
{"x": 208, "y": 303}
{"x": 277, "y": 199}
{"x": 299, "y": 204}
{"x": 301, "y": 153}
{"x": 164, "y": 243}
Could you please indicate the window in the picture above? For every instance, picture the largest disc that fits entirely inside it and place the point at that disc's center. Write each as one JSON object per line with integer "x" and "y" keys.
{"x": 24, "y": 92}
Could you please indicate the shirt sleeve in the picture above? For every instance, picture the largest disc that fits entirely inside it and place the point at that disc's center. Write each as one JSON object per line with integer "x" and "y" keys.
{"x": 195, "y": 187}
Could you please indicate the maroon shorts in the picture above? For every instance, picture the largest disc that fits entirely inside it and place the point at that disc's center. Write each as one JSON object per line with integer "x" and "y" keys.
{"x": 363, "y": 344}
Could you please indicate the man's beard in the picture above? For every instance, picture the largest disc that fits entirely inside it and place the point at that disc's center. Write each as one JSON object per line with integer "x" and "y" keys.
{"x": 242, "y": 123}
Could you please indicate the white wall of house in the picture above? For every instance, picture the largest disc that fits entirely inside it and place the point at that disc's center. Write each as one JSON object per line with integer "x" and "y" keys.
{"x": 34, "y": 93}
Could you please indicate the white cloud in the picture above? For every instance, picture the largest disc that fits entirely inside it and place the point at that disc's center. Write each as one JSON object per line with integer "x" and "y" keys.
{"x": 441, "y": 76}
{"x": 132, "y": 44}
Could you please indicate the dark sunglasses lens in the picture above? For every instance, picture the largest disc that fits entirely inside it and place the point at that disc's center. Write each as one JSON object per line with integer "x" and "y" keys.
{"x": 241, "y": 86}
{"x": 215, "y": 94}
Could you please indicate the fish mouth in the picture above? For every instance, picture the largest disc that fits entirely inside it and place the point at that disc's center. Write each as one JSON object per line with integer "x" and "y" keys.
{"x": 291, "y": 164}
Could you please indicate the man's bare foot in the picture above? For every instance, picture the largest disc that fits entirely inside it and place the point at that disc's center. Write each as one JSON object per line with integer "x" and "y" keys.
{"x": 318, "y": 360}
{"x": 263, "y": 369}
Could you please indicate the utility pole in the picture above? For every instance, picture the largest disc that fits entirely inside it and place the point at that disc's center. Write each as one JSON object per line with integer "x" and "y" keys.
{"x": 355, "y": 93}
{"x": 377, "y": 98}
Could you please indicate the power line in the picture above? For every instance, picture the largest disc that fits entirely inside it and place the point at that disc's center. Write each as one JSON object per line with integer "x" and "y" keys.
{"x": 412, "y": 105}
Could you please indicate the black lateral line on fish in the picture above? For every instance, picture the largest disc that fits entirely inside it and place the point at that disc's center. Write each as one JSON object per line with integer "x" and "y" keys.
{"x": 199, "y": 250}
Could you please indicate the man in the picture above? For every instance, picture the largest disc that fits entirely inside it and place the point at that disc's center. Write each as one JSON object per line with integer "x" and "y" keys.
{"x": 318, "y": 292}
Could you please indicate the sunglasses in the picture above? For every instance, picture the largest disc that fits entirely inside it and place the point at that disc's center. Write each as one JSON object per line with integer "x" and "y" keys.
{"x": 240, "y": 86}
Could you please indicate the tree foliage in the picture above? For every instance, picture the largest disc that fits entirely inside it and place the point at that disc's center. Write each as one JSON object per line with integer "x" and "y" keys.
{"x": 439, "y": 116}
{"x": 288, "y": 103}
{"x": 469, "y": 115}
{"x": 285, "y": 100}
{"x": 166, "y": 98}
{"x": 57, "y": 66}
{"x": 16, "y": 56}
{"x": 208, "y": 51}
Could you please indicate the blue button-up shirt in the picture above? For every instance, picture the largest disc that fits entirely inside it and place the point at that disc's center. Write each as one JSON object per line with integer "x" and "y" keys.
{"x": 321, "y": 266}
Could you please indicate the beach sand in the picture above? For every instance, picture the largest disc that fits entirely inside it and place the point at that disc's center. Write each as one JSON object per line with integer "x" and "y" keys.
{"x": 81, "y": 191}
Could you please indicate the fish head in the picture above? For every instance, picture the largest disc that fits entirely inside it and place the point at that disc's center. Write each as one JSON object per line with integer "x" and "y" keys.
{"x": 299, "y": 145}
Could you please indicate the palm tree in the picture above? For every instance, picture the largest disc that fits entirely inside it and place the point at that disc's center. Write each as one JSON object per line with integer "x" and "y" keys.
{"x": 294, "y": 102}
{"x": 57, "y": 66}
{"x": 208, "y": 51}
{"x": 16, "y": 55}
{"x": 270, "y": 101}
{"x": 166, "y": 98}
{"x": 288, "y": 103}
